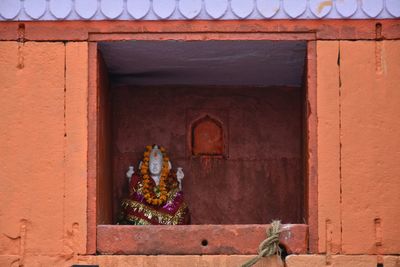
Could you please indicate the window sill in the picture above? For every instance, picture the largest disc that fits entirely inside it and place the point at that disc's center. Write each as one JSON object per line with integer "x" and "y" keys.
{"x": 195, "y": 239}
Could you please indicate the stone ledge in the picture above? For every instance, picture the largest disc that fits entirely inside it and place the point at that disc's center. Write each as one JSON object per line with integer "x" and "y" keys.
{"x": 194, "y": 239}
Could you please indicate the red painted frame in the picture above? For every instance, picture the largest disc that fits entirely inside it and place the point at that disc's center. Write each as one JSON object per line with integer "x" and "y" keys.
{"x": 92, "y": 158}
{"x": 311, "y": 132}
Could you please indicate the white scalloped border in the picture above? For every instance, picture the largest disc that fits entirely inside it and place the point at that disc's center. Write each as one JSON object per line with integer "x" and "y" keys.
{"x": 21, "y": 10}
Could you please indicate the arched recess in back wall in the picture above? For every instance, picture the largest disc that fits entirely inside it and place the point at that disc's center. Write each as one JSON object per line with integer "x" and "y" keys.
{"x": 207, "y": 137}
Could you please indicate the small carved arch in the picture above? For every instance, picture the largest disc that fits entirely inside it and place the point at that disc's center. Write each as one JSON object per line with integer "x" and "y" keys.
{"x": 207, "y": 137}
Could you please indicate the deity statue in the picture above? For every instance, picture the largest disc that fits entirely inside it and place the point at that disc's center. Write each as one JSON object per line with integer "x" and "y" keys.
{"x": 155, "y": 193}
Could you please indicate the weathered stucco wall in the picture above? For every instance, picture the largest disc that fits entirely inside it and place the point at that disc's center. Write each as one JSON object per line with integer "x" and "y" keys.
{"x": 358, "y": 147}
{"x": 43, "y": 148}
{"x": 43, "y": 155}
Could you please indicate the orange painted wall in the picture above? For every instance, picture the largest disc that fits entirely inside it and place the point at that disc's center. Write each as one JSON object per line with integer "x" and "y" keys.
{"x": 358, "y": 146}
{"x": 370, "y": 128}
{"x": 43, "y": 155}
{"x": 43, "y": 144}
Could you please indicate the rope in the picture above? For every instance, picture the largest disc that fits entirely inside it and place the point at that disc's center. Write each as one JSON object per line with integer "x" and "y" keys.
{"x": 268, "y": 247}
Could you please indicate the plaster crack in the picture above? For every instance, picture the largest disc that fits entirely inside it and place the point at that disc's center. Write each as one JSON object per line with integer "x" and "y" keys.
{"x": 338, "y": 63}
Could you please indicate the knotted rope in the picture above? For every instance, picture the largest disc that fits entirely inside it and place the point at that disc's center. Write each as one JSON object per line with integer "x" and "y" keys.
{"x": 268, "y": 247}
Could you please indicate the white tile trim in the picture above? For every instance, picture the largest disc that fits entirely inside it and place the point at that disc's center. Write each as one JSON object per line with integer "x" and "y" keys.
{"x": 26, "y": 10}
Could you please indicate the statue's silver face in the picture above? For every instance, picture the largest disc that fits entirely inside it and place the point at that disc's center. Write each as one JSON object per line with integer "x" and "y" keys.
{"x": 155, "y": 166}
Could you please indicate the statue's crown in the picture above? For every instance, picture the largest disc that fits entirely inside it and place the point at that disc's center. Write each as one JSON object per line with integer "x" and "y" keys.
{"x": 156, "y": 153}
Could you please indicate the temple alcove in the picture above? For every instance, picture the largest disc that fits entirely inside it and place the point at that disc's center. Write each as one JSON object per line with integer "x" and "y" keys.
{"x": 257, "y": 175}
{"x": 207, "y": 137}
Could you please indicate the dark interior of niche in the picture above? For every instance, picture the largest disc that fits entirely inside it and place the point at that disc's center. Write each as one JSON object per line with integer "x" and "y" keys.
{"x": 253, "y": 172}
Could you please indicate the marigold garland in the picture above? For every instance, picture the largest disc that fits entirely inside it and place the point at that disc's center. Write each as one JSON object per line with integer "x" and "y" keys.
{"x": 148, "y": 188}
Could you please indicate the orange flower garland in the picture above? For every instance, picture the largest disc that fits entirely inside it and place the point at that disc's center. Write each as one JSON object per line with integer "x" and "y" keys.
{"x": 148, "y": 188}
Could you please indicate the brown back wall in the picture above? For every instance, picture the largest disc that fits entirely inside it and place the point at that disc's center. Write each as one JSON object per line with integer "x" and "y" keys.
{"x": 259, "y": 177}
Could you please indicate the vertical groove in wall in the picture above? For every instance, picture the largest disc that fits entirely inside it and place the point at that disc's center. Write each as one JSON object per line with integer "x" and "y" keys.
{"x": 328, "y": 241}
{"x": 20, "y": 64}
{"x": 21, "y": 43}
{"x": 340, "y": 144}
{"x": 64, "y": 143}
{"x": 378, "y": 48}
{"x": 378, "y": 57}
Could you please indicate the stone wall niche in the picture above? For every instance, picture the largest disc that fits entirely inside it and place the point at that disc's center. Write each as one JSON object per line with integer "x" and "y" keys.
{"x": 232, "y": 115}
{"x": 207, "y": 137}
